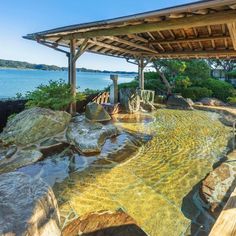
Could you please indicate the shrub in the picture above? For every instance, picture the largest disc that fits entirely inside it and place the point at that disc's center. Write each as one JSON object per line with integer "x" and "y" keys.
{"x": 196, "y": 93}
{"x": 132, "y": 84}
{"x": 232, "y": 100}
{"x": 221, "y": 90}
{"x": 56, "y": 96}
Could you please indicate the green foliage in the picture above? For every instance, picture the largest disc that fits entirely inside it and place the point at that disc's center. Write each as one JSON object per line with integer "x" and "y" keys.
{"x": 56, "y": 96}
{"x": 182, "y": 82}
{"x": 196, "y": 93}
{"x": 231, "y": 74}
{"x": 133, "y": 84}
{"x": 220, "y": 89}
{"x": 197, "y": 69}
{"x": 232, "y": 100}
{"x": 89, "y": 91}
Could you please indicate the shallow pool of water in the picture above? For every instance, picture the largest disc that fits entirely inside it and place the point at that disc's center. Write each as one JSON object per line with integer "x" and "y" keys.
{"x": 151, "y": 185}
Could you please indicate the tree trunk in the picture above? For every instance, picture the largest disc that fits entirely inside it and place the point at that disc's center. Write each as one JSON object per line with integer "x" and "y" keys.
{"x": 164, "y": 81}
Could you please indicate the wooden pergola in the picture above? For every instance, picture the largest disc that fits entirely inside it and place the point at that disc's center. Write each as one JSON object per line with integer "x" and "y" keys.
{"x": 204, "y": 29}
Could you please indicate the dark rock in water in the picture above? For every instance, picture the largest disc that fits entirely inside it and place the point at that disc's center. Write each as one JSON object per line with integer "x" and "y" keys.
{"x": 51, "y": 146}
{"x": 96, "y": 112}
{"x": 178, "y": 102}
{"x": 34, "y": 124}
{"x": 217, "y": 187}
{"x": 212, "y": 102}
{"x": 28, "y": 206}
{"x": 103, "y": 224}
{"x": 87, "y": 136}
{"x": 19, "y": 159}
{"x": 129, "y": 100}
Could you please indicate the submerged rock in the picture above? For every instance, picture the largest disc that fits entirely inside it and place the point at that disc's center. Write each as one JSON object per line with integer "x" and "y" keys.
{"x": 129, "y": 100}
{"x": 19, "y": 159}
{"x": 87, "y": 136}
{"x": 104, "y": 223}
{"x": 34, "y": 124}
{"x": 28, "y": 206}
{"x": 178, "y": 102}
{"x": 96, "y": 112}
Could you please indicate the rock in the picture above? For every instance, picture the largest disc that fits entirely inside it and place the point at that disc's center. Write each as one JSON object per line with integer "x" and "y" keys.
{"x": 96, "y": 112}
{"x": 198, "y": 103}
{"x": 104, "y": 223}
{"x": 217, "y": 187}
{"x": 11, "y": 151}
{"x": 129, "y": 100}
{"x": 34, "y": 124}
{"x": 212, "y": 102}
{"x": 87, "y": 136}
{"x": 190, "y": 101}
{"x": 147, "y": 106}
{"x": 178, "y": 102}
{"x": 28, "y": 207}
{"x": 51, "y": 146}
{"x": 19, "y": 159}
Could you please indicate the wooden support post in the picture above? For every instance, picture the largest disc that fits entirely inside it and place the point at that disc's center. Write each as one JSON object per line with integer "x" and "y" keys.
{"x": 72, "y": 71}
{"x": 141, "y": 73}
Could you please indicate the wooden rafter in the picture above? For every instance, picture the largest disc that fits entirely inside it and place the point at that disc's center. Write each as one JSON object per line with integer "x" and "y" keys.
{"x": 232, "y": 32}
{"x": 129, "y": 43}
{"x": 115, "y": 48}
{"x": 189, "y": 40}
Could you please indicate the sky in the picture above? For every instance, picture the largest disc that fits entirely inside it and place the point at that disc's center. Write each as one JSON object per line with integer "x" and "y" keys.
{"x": 20, "y": 17}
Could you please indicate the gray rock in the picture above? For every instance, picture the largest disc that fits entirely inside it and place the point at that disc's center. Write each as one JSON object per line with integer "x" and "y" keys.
{"x": 198, "y": 103}
{"x": 19, "y": 159}
{"x": 212, "y": 102}
{"x": 190, "y": 101}
{"x": 87, "y": 136}
{"x": 147, "y": 106}
{"x": 28, "y": 207}
{"x": 178, "y": 102}
{"x": 129, "y": 100}
{"x": 34, "y": 124}
{"x": 96, "y": 112}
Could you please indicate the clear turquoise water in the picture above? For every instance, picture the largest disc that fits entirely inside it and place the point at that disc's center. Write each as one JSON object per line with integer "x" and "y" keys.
{"x": 14, "y": 81}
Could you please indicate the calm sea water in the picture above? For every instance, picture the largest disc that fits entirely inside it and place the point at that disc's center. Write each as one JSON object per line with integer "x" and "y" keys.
{"x": 14, "y": 81}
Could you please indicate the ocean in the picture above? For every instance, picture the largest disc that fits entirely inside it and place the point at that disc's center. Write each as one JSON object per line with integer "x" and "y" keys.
{"x": 14, "y": 81}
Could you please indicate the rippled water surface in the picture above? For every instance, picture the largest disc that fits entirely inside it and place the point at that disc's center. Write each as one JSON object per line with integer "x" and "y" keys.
{"x": 150, "y": 185}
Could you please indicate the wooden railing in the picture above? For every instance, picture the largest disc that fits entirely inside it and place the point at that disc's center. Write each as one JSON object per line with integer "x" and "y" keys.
{"x": 102, "y": 98}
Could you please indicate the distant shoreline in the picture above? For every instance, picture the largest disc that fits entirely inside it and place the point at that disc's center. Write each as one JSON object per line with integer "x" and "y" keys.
{"x": 19, "y": 65}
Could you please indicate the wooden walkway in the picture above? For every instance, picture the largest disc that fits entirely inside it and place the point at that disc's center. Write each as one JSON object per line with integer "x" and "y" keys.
{"x": 226, "y": 222}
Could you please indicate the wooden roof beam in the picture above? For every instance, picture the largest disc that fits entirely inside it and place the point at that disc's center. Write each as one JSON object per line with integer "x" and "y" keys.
{"x": 232, "y": 32}
{"x": 188, "y": 40}
{"x": 115, "y": 48}
{"x": 131, "y": 44}
{"x": 186, "y": 22}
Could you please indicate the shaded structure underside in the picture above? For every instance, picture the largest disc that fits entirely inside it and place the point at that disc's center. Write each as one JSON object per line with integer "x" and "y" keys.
{"x": 202, "y": 29}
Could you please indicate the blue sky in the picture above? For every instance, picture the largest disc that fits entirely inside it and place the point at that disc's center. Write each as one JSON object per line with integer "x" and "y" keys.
{"x": 19, "y": 17}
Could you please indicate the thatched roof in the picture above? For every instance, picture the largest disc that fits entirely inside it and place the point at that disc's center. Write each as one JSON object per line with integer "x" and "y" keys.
{"x": 205, "y": 29}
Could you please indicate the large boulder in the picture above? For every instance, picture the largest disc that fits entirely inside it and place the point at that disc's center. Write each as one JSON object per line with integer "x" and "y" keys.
{"x": 212, "y": 102}
{"x": 129, "y": 100}
{"x": 104, "y": 223}
{"x": 178, "y": 102}
{"x": 27, "y": 207}
{"x": 34, "y": 124}
{"x": 19, "y": 159}
{"x": 217, "y": 187}
{"x": 88, "y": 136}
{"x": 96, "y": 112}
